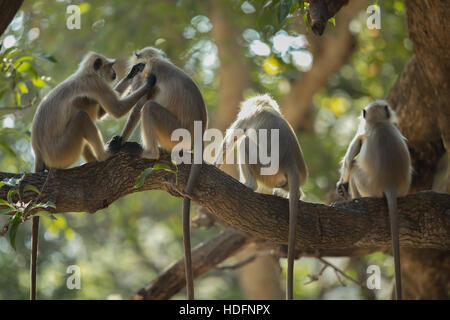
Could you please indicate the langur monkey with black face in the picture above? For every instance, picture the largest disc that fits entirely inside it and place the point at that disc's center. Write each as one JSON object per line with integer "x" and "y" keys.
{"x": 175, "y": 102}
{"x": 262, "y": 112}
{"x": 383, "y": 167}
{"x": 64, "y": 124}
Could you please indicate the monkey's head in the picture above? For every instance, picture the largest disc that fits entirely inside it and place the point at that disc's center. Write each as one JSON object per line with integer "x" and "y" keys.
{"x": 147, "y": 56}
{"x": 94, "y": 63}
{"x": 378, "y": 111}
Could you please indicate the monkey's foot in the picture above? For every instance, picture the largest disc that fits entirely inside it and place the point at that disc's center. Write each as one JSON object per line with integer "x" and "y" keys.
{"x": 132, "y": 147}
{"x": 149, "y": 154}
{"x": 114, "y": 145}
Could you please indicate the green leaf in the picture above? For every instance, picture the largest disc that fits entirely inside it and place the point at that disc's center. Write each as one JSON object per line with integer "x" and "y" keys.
{"x": 11, "y": 194}
{"x": 46, "y": 56}
{"x": 6, "y": 203}
{"x": 17, "y": 96}
{"x": 30, "y": 187}
{"x": 22, "y": 87}
{"x": 10, "y": 52}
{"x": 7, "y": 211}
{"x": 140, "y": 180}
{"x": 333, "y": 21}
{"x": 25, "y": 58}
{"x": 14, "y": 225}
{"x": 38, "y": 82}
{"x": 162, "y": 166}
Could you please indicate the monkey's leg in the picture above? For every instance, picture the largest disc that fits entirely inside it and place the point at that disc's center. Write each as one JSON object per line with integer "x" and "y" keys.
{"x": 69, "y": 146}
{"x": 88, "y": 154}
{"x": 157, "y": 125}
{"x": 245, "y": 175}
{"x": 92, "y": 135}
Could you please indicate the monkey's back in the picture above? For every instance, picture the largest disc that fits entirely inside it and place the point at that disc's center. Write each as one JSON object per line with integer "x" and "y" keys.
{"x": 179, "y": 94}
{"x": 385, "y": 159}
{"x": 266, "y": 117}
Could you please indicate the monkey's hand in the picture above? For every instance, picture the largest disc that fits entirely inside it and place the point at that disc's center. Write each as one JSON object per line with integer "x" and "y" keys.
{"x": 135, "y": 70}
{"x": 342, "y": 189}
{"x": 115, "y": 144}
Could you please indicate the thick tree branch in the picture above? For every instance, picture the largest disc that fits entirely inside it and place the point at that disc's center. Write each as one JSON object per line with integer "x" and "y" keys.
{"x": 360, "y": 224}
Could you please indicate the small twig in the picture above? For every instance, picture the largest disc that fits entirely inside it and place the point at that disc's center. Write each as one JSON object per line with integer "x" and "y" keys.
{"x": 340, "y": 272}
{"x": 20, "y": 108}
{"x": 315, "y": 277}
{"x": 245, "y": 261}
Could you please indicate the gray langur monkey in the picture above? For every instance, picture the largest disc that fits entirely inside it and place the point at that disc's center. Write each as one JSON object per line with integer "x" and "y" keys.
{"x": 383, "y": 167}
{"x": 64, "y": 123}
{"x": 175, "y": 102}
{"x": 262, "y": 112}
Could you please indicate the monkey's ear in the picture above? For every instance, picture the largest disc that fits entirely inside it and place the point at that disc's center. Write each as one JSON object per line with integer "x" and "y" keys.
{"x": 364, "y": 113}
{"x": 388, "y": 113}
{"x": 137, "y": 54}
{"x": 97, "y": 63}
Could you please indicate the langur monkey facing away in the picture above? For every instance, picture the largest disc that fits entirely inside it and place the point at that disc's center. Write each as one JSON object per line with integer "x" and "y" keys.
{"x": 175, "y": 102}
{"x": 262, "y": 112}
{"x": 64, "y": 124}
{"x": 383, "y": 167}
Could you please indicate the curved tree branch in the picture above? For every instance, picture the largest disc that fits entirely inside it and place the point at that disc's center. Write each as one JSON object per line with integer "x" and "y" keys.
{"x": 349, "y": 225}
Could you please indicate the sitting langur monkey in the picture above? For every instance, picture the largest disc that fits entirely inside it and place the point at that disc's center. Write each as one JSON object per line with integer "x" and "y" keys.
{"x": 262, "y": 112}
{"x": 64, "y": 124}
{"x": 383, "y": 167}
{"x": 175, "y": 102}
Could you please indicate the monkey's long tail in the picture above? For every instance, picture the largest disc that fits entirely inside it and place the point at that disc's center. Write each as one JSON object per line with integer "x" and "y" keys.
{"x": 193, "y": 175}
{"x": 391, "y": 197}
{"x": 294, "y": 194}
{"x": 34, "y": 253}
{"x": 39, "y": 166}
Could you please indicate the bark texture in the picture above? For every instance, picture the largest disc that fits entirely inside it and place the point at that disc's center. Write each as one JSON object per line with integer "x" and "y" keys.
{"x": 421, "y": 96}
{"x": 424, "y": 217}
{"x": 8, "y": 9}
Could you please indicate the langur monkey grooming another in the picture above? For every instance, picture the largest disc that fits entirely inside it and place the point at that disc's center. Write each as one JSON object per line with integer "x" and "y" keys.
{"x": 262, "y": 112}
{"x": 383, "y": 167}
{"x": 64, "y": 124}
{"x": 175, "y": 102}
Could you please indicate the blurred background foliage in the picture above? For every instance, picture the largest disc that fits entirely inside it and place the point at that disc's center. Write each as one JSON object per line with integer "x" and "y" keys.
{"x": 123, "y": 247}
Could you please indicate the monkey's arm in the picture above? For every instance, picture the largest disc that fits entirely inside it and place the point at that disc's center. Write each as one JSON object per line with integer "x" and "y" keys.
{"x": 125, "y": 83}
{"x": 116, "y": 107}
{"x": 133, "y": 120}
{"x": 352, "y": 151}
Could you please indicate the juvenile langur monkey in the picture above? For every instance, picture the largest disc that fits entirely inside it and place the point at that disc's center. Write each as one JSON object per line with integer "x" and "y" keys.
{"x": 175, "y": 102}
{"x": 262, "y": 112}
{"x": 383, "y": 167}
{"x": 64, "y": 124}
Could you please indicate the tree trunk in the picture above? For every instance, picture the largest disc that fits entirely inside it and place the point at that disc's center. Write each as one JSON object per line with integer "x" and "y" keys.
{"x": 421, "y": 97}
{"x": 8, "y": 9}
